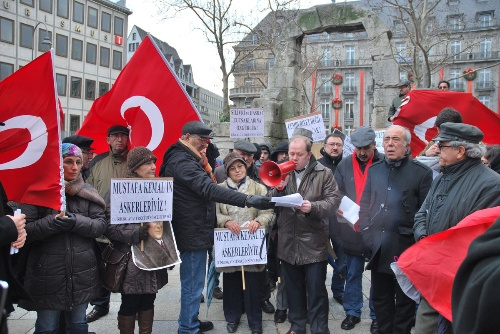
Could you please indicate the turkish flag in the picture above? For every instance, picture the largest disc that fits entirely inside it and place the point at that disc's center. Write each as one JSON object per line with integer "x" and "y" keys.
{"x": 147, "y": 98}
{"x": 30, "y": 158}
{"x": 432, "y": 263}
{"x": 419, "y": 109}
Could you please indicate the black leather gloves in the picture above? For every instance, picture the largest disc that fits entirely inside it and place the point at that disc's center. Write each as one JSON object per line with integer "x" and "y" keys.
{"x": 259, "y": 202}
{"x": 143, "y": 232}
{"x": 65, "y": 224}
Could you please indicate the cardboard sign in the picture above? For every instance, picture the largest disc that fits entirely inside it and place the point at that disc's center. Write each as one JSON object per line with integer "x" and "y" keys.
{"x": 246, "y": 123}
{"x": 313, "y": 122}
{"x": 141, "y": 200}
{"x": 239, "y": 249}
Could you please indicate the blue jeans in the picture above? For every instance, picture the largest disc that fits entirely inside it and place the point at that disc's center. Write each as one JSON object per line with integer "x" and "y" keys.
{"x": 47, "y": 321}
{"x": 353, "y": 294}
{"x": 337, "y": 281}
{"x": 192, "y": 275}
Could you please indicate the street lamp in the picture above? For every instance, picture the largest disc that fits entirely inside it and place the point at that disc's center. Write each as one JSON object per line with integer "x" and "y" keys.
{"x": 46, "y": 39}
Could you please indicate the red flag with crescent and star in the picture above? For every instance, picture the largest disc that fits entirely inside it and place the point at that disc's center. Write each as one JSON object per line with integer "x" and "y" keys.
{"x": 147, "y": 98}
{"x": 30, "y": 158}
{"x": 419, "y": 109}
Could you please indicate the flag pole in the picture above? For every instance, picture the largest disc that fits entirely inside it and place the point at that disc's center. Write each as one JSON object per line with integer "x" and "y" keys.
{"x": 142, "y": 241}
{"x": 243, "y": 277}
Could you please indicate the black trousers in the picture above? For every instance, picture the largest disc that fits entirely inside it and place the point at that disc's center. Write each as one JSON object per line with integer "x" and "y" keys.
{"x": 393, "y": 308}
{"x": 131, "y": 304}
{"x": 235, "y": 296}
{"x": 307, "y": 296}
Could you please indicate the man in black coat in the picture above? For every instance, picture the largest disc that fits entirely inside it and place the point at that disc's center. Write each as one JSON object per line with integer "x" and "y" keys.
{"x": 351, "y": 175}
{"x": 195, "y": 194}
{"x": 395, "y": 189}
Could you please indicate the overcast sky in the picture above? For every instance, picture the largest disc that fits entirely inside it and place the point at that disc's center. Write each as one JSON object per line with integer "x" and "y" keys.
{"x": 190, "y": 43}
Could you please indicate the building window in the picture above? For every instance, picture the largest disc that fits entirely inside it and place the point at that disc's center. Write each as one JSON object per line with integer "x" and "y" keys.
{"x": 78, "y": 12}
{"x": 349, "y": 85}
{"x": 45, "y": 5}
{"x": 326, "y": 86}
{"x": 131, "y": 47}
{"x": 248, "y": 82}
{"x": 104, "y": 60}
{"x": 400, "y": 51}
{"x": 349, "y": 109}
{"x": 455, "y": 22}
{"x": 106, "y": 22}
{"x": 76, "y": 49}
{"x": 42, "y": 34}
{"x": 250, "y": 63}
{"x": 6, "y": 30}
{"x": 349, "y": 55}
{"x": 118, "y": 26}
{"x": 6, "y": 70}
{"x": 325, "y": 57}
{"x": 76, "y": 87}
{"x": 63, "y": 8}
{"x": 61, "y": 45}
{"x": 325, "y": 109}
{"x": 91, "y": 53}
{"x": 456, "y": 49}
{"x": 455, "y": 82}
{"x": 270, "y": 61}
{"x": 74, "y": 123}
{"x": 484, "y": 99}
{"x": 484, "y": 19}
{"x": 255, "y": 39}
{"x": 103, "y": 88}
{"x": 28, "y": 2}
{"x": 92, "y": 20}
{"x": 26, "y": 40}
{"x": 485, "y": 78}
{"x": 399, "y": 26}
{"x": 117, "y": 60}
{"x": 89, "y": 89}
{"x": 61, "y": 84}
{"x": 403, "y": 75}
{"x": 485, "y": 47}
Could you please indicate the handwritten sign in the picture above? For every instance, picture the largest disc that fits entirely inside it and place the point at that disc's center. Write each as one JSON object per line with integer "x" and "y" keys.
{"x": 348, "y": 148}
{"x": 239, "y": 249}
{"x": 379, "y": 139}
{"x": 313, "y": 122}
{"x": 246, "y": 123}
{"x": 141, "y": 200}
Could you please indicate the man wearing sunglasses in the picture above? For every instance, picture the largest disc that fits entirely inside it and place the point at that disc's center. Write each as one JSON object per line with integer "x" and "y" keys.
{"x": 464, "y": 186}
{"x": 444, "y": 86}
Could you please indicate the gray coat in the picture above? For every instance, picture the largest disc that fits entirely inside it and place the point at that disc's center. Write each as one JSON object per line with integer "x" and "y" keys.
{"x": 461, "y": 189}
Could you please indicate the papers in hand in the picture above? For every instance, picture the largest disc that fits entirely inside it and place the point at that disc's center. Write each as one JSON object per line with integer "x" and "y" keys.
{"x": 289, "y": 201}
{"x": 351, "y": 211}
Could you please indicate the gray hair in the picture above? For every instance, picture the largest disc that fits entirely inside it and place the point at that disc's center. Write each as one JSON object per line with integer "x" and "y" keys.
{"x": 305, "y": 139}
{"x": 406, "y": 131}
{"x": 473, "y": 151}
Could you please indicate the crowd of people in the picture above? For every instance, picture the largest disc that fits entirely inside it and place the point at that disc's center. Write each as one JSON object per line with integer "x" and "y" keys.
{"x": 401, "y": 199}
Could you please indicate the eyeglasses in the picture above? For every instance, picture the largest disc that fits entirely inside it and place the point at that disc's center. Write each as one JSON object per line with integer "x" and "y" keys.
{"x": 443, "y": 87}
{"x": 441, "y": 146}
{"x": 119, "y": 135}
{"x": 87, "y": 152}
{"x": 205, "y": 140}
{"x": 335, "y": 144}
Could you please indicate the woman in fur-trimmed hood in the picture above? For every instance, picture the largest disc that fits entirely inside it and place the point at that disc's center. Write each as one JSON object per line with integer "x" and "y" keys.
{"x": 61, "y": 266}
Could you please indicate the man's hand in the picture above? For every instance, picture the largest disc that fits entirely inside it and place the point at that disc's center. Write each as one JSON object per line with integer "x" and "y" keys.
{"x": 432, "y": 151}
{"x": 305, "y": 207}
{"x": 254, "y": 225}
{"x": 233, "y": 226}
{"x": 283, "y": 183}
{"x": 20, "y": 222}
{"x": 259, "y": 202}
{"x": 340, "y": 213}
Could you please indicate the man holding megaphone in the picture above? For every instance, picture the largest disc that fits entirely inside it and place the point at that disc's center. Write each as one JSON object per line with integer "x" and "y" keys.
{"x": 303, "y": 235}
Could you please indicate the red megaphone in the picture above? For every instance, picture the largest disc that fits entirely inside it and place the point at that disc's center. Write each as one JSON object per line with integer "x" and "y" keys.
{"x": 271, "y": 173}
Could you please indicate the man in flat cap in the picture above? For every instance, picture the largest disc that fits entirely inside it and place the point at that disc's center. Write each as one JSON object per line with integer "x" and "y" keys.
{"x": 103, "y": 168}
{"x": 404, "y": 88}
{"x": 84, "y": 143}
{"x": 464, "y": 186}
{"x": 195, "y": 194}
{"x": 351, "y": 175}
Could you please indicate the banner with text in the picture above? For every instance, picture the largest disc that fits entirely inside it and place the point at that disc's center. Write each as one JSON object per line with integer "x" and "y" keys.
{"x": 141, "y": 200}
{"x": 379, "y": 139}
{"x": 313, "y": 122}
{"x": 239, "y": 249}
{"x": 246, "y": 123}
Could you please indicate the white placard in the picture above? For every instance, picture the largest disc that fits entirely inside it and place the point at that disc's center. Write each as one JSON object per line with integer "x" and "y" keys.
{"x": 246, "y": 123}
{"x": 141, "y": 200}
{"x": 239, "y": 249}
{"x": 379, "y": 139}
{"x": 313, "y": 122}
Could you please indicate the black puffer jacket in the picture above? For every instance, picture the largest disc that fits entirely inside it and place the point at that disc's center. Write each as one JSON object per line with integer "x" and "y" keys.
{"x": 61, "y": 269}
{"x": 352, "y": 241}
{"x": 195, "y": 194}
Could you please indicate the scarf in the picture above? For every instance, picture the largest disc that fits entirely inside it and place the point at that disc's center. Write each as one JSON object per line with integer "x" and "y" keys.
{"x": 359, "y": 176}
{"x": 203, "y": 160}
{"x": 77, "y": 188}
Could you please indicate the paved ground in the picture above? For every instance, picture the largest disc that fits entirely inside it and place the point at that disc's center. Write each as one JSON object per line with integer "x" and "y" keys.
{"x": 167, "y": 310}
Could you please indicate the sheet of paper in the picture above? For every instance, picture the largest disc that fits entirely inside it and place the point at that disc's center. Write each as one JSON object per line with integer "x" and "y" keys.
{"x": 351, "y": 211}
{"x": 289, "y": 201}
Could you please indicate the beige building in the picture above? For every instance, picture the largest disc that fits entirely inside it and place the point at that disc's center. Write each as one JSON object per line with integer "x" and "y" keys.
{"x": 469, "y": 37}
{"x": 88, "y": 41}
{"x": 209, "y": 104}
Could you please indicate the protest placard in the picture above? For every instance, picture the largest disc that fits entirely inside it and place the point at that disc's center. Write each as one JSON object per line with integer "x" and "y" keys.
{"x": 313, "y": 122}
{"x": 141, "y": 200}
{"x": 379, "y": 139}
{"x": 239, "y": 249}
{"x": 246, "y": 123}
